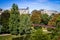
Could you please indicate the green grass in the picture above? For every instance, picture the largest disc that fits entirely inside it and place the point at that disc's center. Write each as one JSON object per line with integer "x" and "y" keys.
{"x": 5, "y": 37}
{"x": 11, "y": 37}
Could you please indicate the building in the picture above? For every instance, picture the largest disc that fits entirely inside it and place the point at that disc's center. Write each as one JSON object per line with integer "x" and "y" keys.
{"x": 24, "y": 10}
{"x": 49, "y": 12}
{"x": 0, "y": 11}
{"x": 21, "y": 10}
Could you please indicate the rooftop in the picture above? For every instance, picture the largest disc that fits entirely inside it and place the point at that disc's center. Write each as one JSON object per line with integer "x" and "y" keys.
{"x": 24, "y": 8}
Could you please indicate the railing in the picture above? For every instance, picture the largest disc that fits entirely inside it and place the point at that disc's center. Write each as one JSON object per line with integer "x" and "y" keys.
{"x": 47, "y": 26}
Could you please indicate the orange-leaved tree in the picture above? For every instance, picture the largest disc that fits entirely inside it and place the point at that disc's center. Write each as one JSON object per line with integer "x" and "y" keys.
{"x": 36, "y": 17}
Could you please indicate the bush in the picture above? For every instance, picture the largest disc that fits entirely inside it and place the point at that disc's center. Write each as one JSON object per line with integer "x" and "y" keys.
{"x": 39, "y": 35}
{"x": 37, "y": 27}
{"x": 5, "y": 37}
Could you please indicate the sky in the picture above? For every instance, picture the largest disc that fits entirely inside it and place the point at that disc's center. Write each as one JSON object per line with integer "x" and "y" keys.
{"x": 32, "y": 4}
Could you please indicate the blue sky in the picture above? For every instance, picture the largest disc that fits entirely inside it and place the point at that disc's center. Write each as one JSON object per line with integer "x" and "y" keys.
{"x": 32, "y": 4}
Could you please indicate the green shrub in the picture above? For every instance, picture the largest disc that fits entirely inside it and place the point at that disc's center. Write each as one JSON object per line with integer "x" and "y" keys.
{"x": 39, "y": 35}
{"x": 37, "y": 27}
{"x": 5, "y": 37}
{"x": 17, "y": 38}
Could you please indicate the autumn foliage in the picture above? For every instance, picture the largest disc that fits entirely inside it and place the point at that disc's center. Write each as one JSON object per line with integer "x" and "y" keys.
{"x": 36, "y": 17}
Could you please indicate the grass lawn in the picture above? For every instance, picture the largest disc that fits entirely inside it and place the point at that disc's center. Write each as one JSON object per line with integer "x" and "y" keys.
{"x": 5, "y": 37}
{"x": 8, "y": 36}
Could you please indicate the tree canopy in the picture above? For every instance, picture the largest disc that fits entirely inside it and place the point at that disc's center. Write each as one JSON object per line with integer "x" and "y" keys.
{"x": 14, "y": 20}
{"x": 36, "y": 17}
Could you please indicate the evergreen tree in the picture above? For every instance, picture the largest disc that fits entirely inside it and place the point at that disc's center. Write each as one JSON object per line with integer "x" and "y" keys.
{"x": 14, "y": 20}
{"x": 4, "y": 21}
{"x": 25, "y": 24}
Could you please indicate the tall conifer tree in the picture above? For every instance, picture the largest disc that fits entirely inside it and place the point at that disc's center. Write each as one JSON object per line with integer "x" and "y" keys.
{"x": 14, "y": 22}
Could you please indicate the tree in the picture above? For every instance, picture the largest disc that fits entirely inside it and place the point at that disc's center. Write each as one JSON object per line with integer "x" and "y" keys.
{"x": 36, "y": 17}
{"x": 58, "y": 23}
{"x": 14, "y": 20}
{"x": 58, "y": 26}
{"x": 0, "y": 19}
{"x": 44, "y": 19}
{"x": 54, "y": 20}
{"x": 25, "y": 24}
{"x": 1, "y": 29}
{"x": 4, "y": 21}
